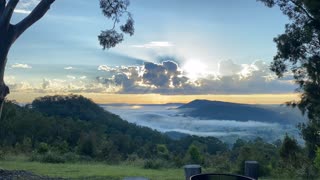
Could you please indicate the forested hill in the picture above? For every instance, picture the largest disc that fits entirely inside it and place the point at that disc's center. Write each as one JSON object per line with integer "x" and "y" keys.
{"x": 75, "y": 124}
{"x": 205, "y": 109}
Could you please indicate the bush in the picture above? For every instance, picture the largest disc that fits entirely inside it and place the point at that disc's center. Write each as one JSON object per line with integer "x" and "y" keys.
{"x": 52, "y": 157}
{"x": 43, "y": 148}
{"x": 2, "y": 154}
{"x": 156, "y": 164}
{"x": 71, "y": 157}
{"x": 151, "y": 164}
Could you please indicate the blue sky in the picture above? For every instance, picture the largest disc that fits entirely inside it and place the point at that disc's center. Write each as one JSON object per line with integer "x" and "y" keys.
{"x": 212, "y": 42}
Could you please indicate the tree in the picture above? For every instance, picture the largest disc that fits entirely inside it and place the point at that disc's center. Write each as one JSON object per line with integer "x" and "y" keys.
{"x": 299, "y": 54}
{"x": 289, "y": 151}
{"x": 9, "y": 33}
{"x": 195, "y": 155}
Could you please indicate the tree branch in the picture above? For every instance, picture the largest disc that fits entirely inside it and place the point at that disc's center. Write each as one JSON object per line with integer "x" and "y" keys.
{"x": 303, "y": 9}
{"x": 38, "y": 12}
{"x": 7, "y": 13}
{"x": 2, "y": 6}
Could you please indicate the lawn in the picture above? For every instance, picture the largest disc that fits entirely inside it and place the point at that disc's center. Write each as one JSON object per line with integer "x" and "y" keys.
{"x": 91, "y": 170}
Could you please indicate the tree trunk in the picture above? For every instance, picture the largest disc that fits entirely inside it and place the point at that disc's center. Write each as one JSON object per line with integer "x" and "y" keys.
{"x": 9, "y": 33}
{"x": 6, "y": 40}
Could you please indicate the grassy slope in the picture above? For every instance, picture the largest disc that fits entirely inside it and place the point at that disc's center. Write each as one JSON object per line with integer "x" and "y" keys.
{"x": 91, "y": 170}
{"x": 94, "y": 170}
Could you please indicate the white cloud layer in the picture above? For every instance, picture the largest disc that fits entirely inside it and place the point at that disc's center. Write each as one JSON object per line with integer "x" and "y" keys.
{"x": 21, "y": 66}
{"x": 160, "y": 78}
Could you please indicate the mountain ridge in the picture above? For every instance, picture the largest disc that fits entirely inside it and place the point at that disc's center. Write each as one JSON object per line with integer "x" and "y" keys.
{"x": 205, "y": 109}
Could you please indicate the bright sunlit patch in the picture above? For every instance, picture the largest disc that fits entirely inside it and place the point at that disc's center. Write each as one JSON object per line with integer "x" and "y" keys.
{"x": 194, "y": 69}
{"x": 136, "y": 107}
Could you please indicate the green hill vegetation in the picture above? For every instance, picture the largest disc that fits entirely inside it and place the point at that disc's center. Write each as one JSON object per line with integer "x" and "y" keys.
{"x": 73, "y": 129}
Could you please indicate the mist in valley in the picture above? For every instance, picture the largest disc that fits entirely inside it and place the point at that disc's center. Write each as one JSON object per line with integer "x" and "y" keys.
{"x": 168, "y": 119}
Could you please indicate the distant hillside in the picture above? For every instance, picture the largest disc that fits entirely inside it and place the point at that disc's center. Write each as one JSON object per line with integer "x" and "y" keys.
{"x": 205, "y": 109}
{"x": 75, "y": 124}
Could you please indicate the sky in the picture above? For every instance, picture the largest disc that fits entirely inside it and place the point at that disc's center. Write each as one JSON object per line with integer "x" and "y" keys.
{"x": 181, "y": 50}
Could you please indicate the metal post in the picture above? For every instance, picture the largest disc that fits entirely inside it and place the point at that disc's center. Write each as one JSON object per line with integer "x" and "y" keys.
{"x": 251, "y": 169}
{"x": 191, "y": 169}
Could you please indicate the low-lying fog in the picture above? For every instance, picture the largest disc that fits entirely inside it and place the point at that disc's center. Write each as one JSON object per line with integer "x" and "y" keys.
{"x": 166, "y": 118}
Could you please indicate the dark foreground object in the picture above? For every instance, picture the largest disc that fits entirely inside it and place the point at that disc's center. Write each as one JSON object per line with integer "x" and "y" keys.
{"x": 251, "y": 169}
{"x": 220, "y": 177}
{"x": 22, "y": 175}
{"x": 191, "y": 169}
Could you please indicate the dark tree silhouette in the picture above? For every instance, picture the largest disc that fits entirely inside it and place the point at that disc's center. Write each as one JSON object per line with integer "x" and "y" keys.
{"x": 299, "y": 54}
{"x": 9, "y": 33}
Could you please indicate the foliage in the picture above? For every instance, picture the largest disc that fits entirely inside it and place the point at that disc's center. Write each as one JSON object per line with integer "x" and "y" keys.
{"x": 115, "y": 9}
{"x": 43, "y": 148}
{"x": 299, "y": 54}
{"x": 75, "y": 124}
{"x": 290, "y": 152}
{"x": 92, "y": 170}
{"x": 195, "y": 156}
{"x": 317, "y": 159}
{"x": 53, "y": 134}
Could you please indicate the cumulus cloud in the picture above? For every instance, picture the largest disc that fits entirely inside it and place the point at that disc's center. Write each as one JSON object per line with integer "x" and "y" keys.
{"x": 166, "y": 77}
{"x": 21, "y": 66}
{"x": 155, "y": 44}
{"x": 105, "y": 68}
{"x": 25, "y": 6}
{"x": 228, "y": 68}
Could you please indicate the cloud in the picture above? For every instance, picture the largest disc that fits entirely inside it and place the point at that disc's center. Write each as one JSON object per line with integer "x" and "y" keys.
{"x": 166, "y": 77}
{"x": 228, "y": 67}
{"x": 167, "y": 74}
{"x": 71, "y": 77}
{"x": 83, "y": 77}
{"x": 69, "y": 68}
{"x": 105, "y": 68}
{"x": 25, "y": 6}
{"x": 22, "y": 11}
{"x": 21, "y": 66}
{"x": 155, "y": 44}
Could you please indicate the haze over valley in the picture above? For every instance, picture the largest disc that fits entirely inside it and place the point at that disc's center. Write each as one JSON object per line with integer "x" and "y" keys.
{"x": 176, "y": 120}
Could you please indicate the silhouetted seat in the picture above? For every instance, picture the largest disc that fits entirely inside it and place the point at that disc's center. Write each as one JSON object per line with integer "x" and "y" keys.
{"x": 220, "y": 177}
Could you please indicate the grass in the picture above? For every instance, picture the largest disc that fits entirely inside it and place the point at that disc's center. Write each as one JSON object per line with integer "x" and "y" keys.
{"x": 90, "y": 170}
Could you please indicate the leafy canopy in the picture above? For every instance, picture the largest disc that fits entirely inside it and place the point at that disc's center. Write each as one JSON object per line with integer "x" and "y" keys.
{"x": 115, "y": 10}
{"x": 299, "y": 54}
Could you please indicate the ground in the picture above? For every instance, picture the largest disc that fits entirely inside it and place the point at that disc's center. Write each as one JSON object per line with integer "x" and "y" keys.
{"x": 91, "y": 170}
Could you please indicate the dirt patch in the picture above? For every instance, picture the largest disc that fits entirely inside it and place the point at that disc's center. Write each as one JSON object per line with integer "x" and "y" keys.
{"x": 22, "y": 175}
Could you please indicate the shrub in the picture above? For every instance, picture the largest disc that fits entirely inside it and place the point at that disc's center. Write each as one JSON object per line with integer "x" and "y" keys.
{"x": 43, "y": 148}
{"x": 52, "y": 157}
{"x": 157, "y": 164}
{"x": 71, "y": 157}
{"x": 2, "y": 155}
{"x": 151, "y": 164}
